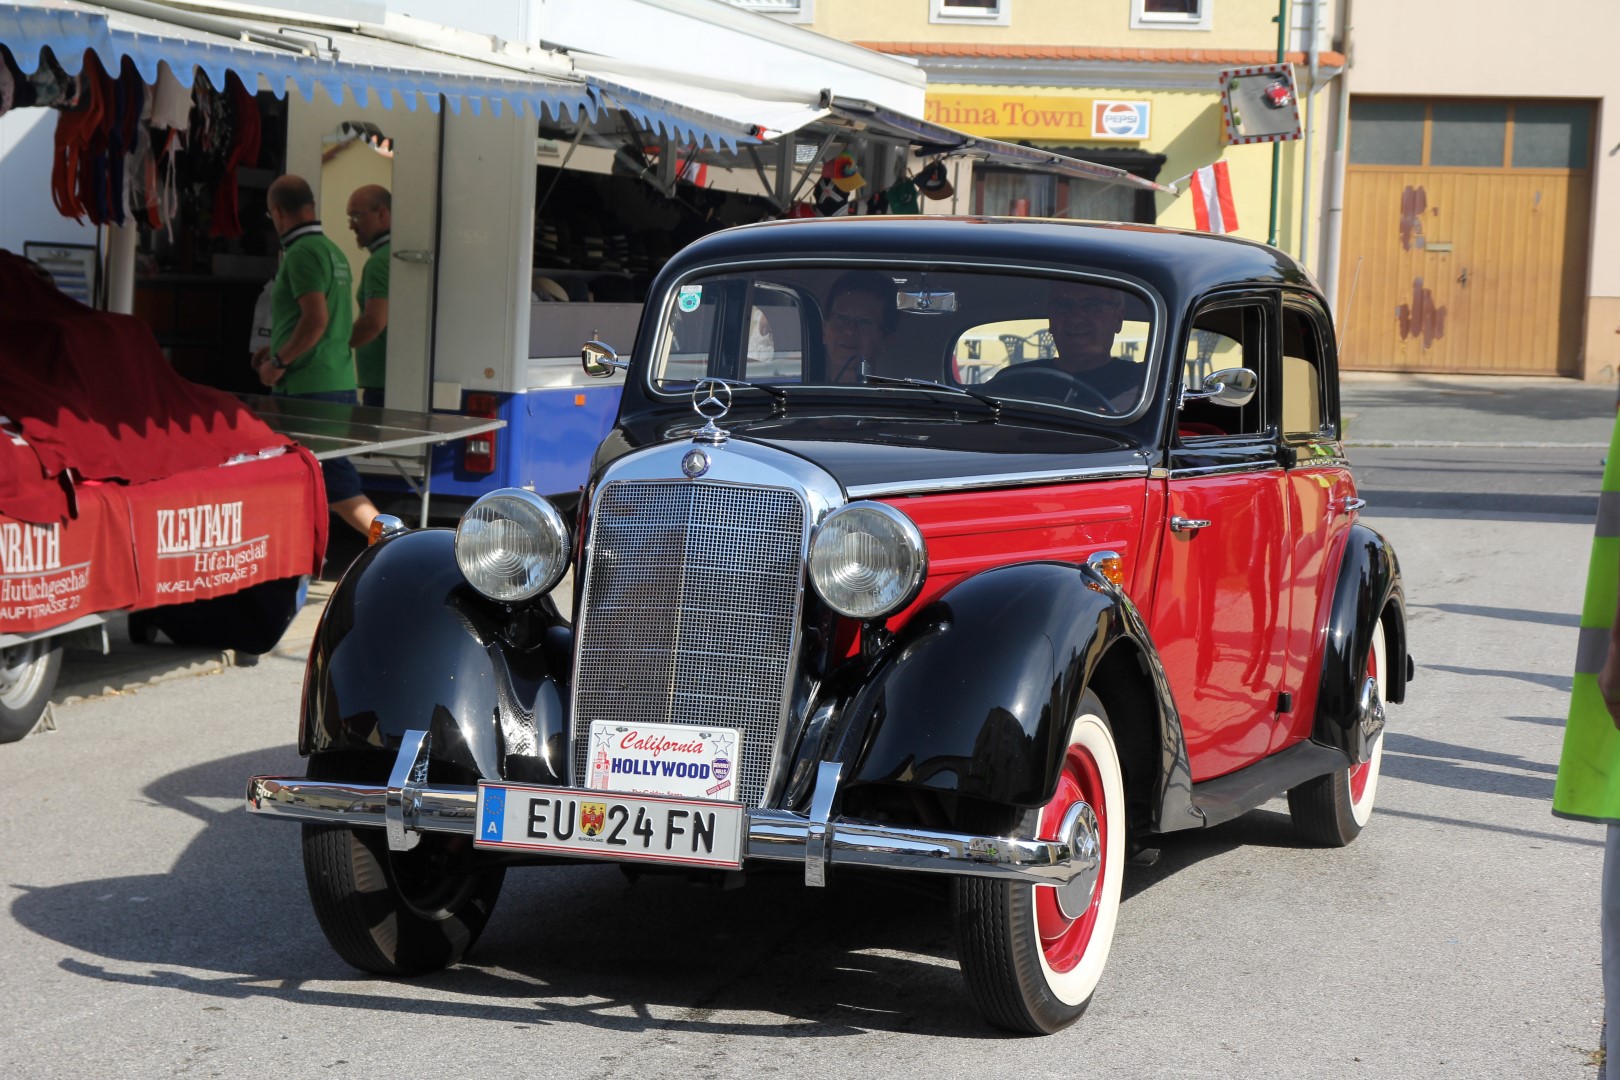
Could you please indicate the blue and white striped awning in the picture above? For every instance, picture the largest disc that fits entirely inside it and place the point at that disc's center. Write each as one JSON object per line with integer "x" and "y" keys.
{"x": 279, "y": 54}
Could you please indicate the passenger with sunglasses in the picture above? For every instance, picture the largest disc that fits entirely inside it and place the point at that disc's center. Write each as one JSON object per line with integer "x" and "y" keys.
{"x": 860, "y": 315}
{"x": 1084, "y": 320}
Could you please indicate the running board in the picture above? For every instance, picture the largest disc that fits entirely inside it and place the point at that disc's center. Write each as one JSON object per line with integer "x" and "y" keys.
{"x": 1229, "y": 796}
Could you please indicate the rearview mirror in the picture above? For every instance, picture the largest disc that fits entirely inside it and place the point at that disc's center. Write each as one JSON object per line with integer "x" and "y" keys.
{"x": 926, "y": 302}
{"x": 599, "y": 359}
{"x": 1232, "y": 387}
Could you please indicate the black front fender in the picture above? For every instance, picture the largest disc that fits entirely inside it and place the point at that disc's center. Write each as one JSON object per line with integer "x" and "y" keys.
{"x": 981, "y": 685}
{"x": 1368, "y": 590}
{"x": 405, "y": 643}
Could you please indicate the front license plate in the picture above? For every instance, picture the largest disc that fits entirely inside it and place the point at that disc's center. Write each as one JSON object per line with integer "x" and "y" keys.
{"x": 568, "y": 821}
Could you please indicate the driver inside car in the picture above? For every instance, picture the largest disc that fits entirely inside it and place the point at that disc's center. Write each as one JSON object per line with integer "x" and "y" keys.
{"x": 860, "y": 317}
{"x": 1084, "y": 320}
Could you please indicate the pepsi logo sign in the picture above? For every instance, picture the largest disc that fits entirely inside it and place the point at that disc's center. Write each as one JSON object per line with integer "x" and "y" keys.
{"x": 1120, "y": 119}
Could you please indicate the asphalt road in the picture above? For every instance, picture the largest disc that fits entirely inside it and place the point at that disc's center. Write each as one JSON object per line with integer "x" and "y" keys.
{"x": 151, "y": 928}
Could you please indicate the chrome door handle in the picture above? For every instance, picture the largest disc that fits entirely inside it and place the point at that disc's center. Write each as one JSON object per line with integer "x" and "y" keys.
{"x": 1186, "y": 524}
{"x": 1351, "y": 505}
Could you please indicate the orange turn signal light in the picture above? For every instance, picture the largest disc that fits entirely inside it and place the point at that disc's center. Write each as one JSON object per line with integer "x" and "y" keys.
{"x": 382, "y": 527}
{"x": 1110, "y": 564}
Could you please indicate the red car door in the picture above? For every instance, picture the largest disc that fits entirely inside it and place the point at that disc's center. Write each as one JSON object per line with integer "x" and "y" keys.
{"x": 1220, "y": 609}
{"x": 1321, "y": 500}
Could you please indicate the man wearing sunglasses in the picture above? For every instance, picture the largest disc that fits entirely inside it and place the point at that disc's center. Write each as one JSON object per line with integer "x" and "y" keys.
{"x": 1084, "y": 320}
{"x": 860, "y": 316}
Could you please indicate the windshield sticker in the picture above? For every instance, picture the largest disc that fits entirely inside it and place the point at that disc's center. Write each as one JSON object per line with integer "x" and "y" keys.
{"x": 689, "y": 297}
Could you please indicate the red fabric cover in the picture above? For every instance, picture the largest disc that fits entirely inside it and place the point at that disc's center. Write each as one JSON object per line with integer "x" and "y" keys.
{"x": 53, "y": 574}
{"x": 92, "y": 392}
{"x": 210, "y": 532}
{"x": 201, "y": 534}
{"x": 26, "y": 493}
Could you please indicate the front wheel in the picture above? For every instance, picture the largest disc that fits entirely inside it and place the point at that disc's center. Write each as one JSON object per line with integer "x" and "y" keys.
{"x": 1032, "y": 962}
{"x": 27, "y": 676}
{"x": 398, "y": 912}
{"x": 1331, "y": 810}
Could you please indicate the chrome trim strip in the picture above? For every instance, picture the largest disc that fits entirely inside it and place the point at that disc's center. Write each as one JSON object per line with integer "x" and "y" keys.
{"x": 969, "y": 483}
{"x": 1221, "y": 470}
{"x": 772, "y": 834}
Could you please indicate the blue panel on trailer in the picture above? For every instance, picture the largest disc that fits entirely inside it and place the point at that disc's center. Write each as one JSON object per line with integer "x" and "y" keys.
{"x": 548, "y": 441}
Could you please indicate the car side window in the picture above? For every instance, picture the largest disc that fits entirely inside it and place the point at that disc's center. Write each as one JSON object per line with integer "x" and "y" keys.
{"x": 1223, "y": 336}
{"x": 776, "y": 320}
{"x": 690, "y": 339}
{"x": 1304, "y": 374}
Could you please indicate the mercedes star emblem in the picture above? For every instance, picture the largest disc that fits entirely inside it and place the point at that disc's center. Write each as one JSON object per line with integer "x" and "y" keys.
{"x": 711, "y": 399}
{"x": 695, "y": 463}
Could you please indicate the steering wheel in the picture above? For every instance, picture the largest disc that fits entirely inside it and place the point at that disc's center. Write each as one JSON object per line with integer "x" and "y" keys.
{"x": 1061, "y": 386}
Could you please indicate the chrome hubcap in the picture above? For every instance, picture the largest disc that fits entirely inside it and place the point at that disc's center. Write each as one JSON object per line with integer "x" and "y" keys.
{"x": 20, "y": 672}
{"x": 1085, "y": 847}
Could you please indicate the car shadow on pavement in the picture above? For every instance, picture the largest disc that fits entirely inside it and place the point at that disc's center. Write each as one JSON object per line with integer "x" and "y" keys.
{"x": 575, "y": 944}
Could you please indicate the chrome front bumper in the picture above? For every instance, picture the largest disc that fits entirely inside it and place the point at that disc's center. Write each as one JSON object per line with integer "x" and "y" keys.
{"x": 407, "y": 807}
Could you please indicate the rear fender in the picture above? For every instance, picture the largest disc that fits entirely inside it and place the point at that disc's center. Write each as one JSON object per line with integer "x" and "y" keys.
{"x": 1368, "y": 590}
{"x": 978, "y": 690}
{"x": 405, "y": 643}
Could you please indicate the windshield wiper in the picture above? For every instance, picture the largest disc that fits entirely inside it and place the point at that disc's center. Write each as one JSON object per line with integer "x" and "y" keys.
{"x": 925, "y": 384}
{"x": 778, "y": 395}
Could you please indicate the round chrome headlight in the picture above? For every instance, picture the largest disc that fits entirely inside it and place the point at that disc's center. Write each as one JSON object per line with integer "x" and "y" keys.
{"x": 512, "y": 545}
{"x": 867, "y": 560}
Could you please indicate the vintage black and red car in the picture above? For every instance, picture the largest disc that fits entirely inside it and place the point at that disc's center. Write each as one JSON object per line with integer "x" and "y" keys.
{"x": 979, "y": 548}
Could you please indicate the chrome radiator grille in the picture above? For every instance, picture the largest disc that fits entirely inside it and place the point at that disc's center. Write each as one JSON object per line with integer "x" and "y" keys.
{"x": 690, "y": 614}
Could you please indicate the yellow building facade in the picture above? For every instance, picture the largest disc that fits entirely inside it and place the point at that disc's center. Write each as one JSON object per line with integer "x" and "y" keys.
{"x": 1130, "y": 83}
{"x": 1450, "y": 187}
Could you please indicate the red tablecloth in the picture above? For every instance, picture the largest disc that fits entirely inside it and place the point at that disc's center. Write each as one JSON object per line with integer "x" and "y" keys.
{"x": 201, "y": 534}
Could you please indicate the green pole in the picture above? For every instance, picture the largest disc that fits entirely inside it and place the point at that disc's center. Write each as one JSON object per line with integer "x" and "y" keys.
{"x": 1276, "y": 147}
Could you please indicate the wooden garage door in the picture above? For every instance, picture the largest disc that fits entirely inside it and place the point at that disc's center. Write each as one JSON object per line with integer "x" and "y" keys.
{"x": 1465, "y": 232}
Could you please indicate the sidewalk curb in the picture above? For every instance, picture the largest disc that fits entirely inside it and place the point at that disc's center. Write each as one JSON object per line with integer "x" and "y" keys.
{"x": 1441, "y": 444}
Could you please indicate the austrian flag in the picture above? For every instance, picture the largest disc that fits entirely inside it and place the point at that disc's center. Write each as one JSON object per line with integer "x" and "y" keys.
{"x": 1213, "y": 208}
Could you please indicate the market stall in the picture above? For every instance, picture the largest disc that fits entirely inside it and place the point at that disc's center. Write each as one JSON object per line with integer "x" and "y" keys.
{"x": 126, "y": 487}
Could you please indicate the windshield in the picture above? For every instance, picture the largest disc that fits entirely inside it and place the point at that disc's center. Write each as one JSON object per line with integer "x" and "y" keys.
{"x": 1012, "y": 336}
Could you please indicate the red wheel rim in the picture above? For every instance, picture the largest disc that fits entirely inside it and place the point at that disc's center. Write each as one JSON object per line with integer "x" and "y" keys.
{"x": 1064, "y": 940}
{"x": 1360, "y": 774}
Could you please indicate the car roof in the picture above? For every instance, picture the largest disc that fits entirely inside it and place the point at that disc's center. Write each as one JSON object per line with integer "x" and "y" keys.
{"x": 1178, "y": 263}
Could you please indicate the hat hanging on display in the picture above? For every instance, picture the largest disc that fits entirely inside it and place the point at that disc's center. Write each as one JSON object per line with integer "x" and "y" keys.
{"x": 548, "y": 290}
{"x": 903, "y": 197}
{"x": 841, "y": 170}
{"x": 802, "y": 209}
{"x": 878, "y": 203}
{"x": 935, "y": 182}
{"x": 829, "y": 198}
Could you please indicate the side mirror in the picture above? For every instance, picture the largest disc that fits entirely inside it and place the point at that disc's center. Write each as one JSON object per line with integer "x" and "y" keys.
{"x": 599, "y": 360}
{"x": 1232, "y": 387}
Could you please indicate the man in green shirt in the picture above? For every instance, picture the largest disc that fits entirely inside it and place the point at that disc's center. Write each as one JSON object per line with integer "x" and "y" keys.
{"x": 311, "y": 317}
{"x": 371, "y": 219}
